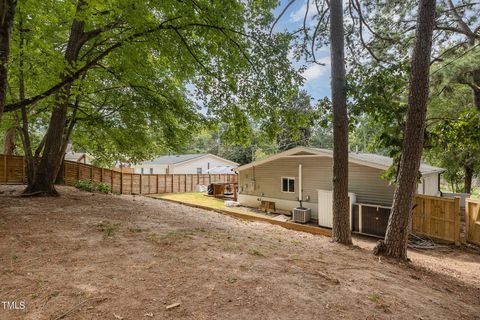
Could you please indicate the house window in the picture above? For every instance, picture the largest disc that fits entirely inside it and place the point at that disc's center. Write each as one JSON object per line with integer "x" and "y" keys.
{"x": 199, "y": 170}
{"x": 151, "y": 170}
{"x": 288, "y": 184}
{"x": 141, "y": 170}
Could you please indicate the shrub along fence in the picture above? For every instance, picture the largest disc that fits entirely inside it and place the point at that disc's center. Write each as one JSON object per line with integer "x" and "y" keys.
{"x": 13, "y": 171}
{"x": 472, "y": 208}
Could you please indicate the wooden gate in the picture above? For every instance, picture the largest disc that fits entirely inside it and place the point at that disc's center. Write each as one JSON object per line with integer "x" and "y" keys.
{"x": 437, "y": 217}
{"x": 472, "y": 210}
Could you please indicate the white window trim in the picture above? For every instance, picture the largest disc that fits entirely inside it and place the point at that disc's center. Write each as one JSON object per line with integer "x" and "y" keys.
{"x": 281, "y": 184}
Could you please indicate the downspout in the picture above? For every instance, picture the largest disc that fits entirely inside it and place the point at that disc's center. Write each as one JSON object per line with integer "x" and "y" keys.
{"x": 300, "y": 185}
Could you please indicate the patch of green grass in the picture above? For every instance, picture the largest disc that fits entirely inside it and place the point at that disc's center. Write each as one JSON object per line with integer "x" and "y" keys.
{"x": 200, "y": 199}
{"x": 255, "y": 252}
{"x": 14, "y": 257}
{"x": 109, "y": 229}
{"x": 380, "y": 304}
{"x": 375, "y": 298}
{"x": 180, "y": 233}
{"x": 476, "y": 193}
{"x": 136, "y": 229}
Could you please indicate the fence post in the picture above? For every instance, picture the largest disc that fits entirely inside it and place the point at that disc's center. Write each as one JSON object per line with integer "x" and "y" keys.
{"x": 141, "y": 175}
{"x": 101, "y": 175}
{"x": 5, "y": 168}
{"x": 158, "y": 189}
{"x": 121, "y": 182}
{"x": 131, "y": 183}
{"x": 23, "y": 169}
{"x": 458, "y": 225}
{"x": 467, "y": 219}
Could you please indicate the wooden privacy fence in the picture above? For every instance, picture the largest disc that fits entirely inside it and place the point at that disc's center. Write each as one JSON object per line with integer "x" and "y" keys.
{"x": 13, "y": 172}
{"x": 437, "y": 217}
{"x": 472, "y": 210}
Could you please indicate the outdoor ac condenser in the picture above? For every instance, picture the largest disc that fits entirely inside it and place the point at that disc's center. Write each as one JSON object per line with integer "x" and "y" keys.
{"x": 302, "y": 215}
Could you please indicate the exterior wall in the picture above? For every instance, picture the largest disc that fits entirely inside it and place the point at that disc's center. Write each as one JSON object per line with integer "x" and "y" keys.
{"x": 205, "y": 163}
{"x": 157, "y": 168}
{"x": 429, "y": 185}
{"x": 286, "y": 205}
{"x": 188, "y": 167}
{"x": 365, "y": 182}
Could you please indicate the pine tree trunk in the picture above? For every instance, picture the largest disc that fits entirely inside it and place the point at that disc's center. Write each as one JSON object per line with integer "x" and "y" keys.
{"x": 341, "y": 231}
{"x": 476, "y": 89}
{"x": 468, "y": 179}
{"x": 9, "y": 142}
{"x": 395, "y": 243}
{"x": 56, "y": 138}
{"x": 7, "y": 15}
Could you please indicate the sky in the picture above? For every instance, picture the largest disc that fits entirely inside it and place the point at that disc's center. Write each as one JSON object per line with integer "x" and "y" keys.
{"x": 317, "y": 78}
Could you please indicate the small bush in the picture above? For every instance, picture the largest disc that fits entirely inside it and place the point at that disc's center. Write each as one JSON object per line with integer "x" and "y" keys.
{"x": 87, "y": 185}
{"x": 104, "y": 187}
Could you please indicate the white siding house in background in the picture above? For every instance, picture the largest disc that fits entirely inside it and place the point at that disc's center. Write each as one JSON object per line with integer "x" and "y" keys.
{"x": 183, "y": 164}
{"x": 307, "y": 172}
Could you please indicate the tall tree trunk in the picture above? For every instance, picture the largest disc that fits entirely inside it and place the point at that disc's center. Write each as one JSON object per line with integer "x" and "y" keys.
{"x": 7, "y": 16}
{"x": 56, "y": 138}
{"x": 341, "y": 215}
{"x": 9, "y": 142}
{"x": 468, "y": 179}
{"x": 476, "y": 89}
{"x": 395, "y": 243}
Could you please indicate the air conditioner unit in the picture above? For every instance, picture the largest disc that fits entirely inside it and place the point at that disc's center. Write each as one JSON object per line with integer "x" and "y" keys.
{"x": 302, "y": 215}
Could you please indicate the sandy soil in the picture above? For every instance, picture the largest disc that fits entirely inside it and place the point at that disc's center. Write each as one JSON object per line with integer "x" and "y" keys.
{"x": 93, "y": 256}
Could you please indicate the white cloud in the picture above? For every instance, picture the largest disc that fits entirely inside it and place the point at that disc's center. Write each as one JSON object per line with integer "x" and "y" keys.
{"x": 315, "y": 71}
{"x": 300, "y": 13}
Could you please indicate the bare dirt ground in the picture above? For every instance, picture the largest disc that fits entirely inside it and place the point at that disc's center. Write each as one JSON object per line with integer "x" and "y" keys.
{"x": 93, "y": 256}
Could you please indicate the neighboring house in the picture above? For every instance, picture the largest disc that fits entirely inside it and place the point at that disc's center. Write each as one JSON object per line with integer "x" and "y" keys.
{"x": 82, "y": 157}
{"x": 183, "y": 164}
{"x": 277, "y": 179}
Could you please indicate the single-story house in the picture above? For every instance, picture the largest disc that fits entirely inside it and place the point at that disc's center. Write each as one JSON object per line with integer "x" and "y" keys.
{"x": 307, "y": 173}
{"x": 183, "y": 164}
{"x": 81, "y": 157}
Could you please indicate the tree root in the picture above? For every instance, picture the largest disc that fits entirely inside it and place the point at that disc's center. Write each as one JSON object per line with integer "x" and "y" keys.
{"x": 39, "y": 194}
{"x": 380, "y": 249}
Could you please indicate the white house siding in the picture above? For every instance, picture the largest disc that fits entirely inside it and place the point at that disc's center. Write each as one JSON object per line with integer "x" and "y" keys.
{"x": 157, "y": 168}
{"x": 186, "y": 167}
{"x": 429, "y": 184}
{"x": 205, "y": 163}
{"x": 365, "y": 182}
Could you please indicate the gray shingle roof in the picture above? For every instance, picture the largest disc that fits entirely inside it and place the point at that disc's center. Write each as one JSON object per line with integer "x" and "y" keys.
{"x": 383, "y": 160}
{"x": 174, "y": 158}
